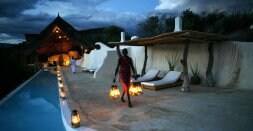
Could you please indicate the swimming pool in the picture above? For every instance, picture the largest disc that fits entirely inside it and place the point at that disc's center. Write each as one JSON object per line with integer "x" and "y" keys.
{"x": 35, "y": 107}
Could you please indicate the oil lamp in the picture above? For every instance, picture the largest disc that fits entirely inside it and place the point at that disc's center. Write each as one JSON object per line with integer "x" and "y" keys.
{"x": 114, "y": 92}
{"x": 75, "y": 119}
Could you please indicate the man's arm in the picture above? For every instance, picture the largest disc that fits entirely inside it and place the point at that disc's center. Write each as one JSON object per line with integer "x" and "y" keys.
{"x": 116, "y": 71}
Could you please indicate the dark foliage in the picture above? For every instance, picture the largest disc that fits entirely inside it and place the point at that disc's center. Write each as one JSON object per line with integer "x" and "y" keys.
{"x": 112, "y": 33}
{"x": 150, "y": 27}
{"x": 13, "y": 70}
{"x": 191, "y": 21}
{"x": 235, "y": 24}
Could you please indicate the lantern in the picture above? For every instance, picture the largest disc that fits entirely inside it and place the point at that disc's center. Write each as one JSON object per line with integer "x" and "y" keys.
{"x": 62, "y": 94}
{"x": 59, "y": 78}
{"x": 59, "y": 75}
{"x": 114, "y": 92}
{"x": 60, "y": 84}
{"x": 75, "y": 119}
{"x": 135, "y": 89}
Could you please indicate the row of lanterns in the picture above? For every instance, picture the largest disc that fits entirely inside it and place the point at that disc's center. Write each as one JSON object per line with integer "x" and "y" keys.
{"x": 135, "y": 89}
{"x": 62, "y": 92}
{"x": 75, "y": 116}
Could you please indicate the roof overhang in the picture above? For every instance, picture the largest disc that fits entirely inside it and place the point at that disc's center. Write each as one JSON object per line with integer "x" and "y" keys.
{"x": 174, "y": 38}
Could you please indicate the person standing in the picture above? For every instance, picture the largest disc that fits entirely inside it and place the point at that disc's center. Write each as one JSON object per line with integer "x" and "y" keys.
{"x": 73, "y": 64}
{"x": 125, "y": 63}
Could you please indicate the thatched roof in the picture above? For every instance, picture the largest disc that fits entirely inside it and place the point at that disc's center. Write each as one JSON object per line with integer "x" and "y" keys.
{"x": 46, "y": 42}
{"x": 174, "y": 38}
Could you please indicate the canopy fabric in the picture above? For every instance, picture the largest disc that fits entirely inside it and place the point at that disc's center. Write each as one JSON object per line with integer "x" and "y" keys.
{"x": 173, "y": 38}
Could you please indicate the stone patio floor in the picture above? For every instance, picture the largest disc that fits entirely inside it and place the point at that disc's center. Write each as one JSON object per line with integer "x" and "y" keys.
{"x": 202, "y": 109}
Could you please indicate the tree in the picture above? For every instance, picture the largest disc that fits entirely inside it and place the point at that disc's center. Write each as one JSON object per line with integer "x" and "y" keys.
{"x": 191, "y": 21}
{"x": 213, "y": 22}
{"x": 238, "y": 21}
{"x": 112, "y": 33}
{"x": 149, "y": 27}
{"x": 169, "y": 24}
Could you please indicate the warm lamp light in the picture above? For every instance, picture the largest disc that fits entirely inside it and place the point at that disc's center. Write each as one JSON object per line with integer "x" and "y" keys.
{"x": 62, "y": 93}
{"x": 60, "y": 84}
{"x": 135, "y": 89}
{"x": 67, "y": 63}
{"x": 59, "y": 78}
{"x": 114, "y": 92}
{"x": 75, "y": 119}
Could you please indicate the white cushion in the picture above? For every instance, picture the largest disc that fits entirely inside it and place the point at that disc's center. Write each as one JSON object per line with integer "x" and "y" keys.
{"x": 151, "y": 74}
{"x": 170, "y": 77}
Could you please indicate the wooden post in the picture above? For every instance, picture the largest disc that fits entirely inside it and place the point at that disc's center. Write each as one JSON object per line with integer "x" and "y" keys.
{"x": 145, "y": 62}
{"x": 186, "y": 85}
{"x": 209, "y": 75}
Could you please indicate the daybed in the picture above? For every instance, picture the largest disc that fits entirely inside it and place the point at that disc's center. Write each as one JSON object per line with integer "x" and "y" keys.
{"x": 172, "y": 78}
{"x": 149, "y": 76}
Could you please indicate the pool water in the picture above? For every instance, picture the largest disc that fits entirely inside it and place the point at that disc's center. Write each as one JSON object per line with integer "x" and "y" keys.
{"x": 35, "y": 107}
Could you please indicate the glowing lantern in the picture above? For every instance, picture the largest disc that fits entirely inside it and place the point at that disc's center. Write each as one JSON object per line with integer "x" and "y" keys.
{"x": 86, "y": 50}
{"x": 62, "y": 94}
{"x": 114, "y": 92}
{"x": 59, "y": 78}
{"x": 60, "y": 84}
{"x": 75, "y": 119}
{"x": 135, "y": 89}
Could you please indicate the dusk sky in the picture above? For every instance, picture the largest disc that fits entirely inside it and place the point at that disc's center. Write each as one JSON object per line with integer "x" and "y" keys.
{"x": 19, "y": 17}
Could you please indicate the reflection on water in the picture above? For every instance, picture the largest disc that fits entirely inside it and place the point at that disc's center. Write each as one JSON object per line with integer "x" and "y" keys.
{"x": 34, "y": 107}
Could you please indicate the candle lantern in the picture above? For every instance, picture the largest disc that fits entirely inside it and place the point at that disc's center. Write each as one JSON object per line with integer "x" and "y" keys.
{"x": 75, "y": 119}
{"x": 59, "y": 78}
{"x": 135, "y": 89}
{"x": 60, "y": 84}
{"x": 62, "y": 94}
{"x": 114, "y": 92}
